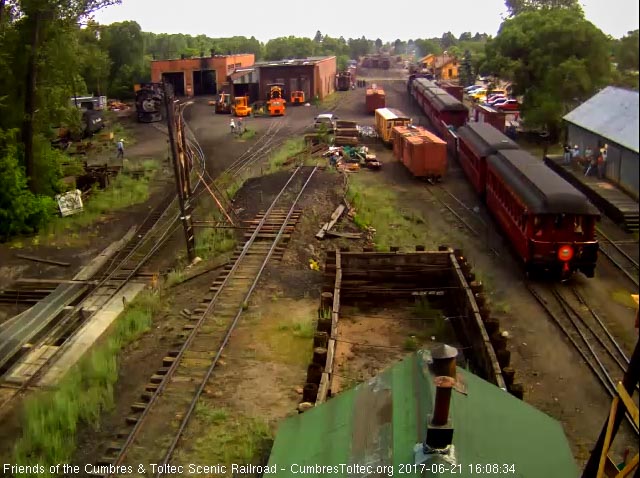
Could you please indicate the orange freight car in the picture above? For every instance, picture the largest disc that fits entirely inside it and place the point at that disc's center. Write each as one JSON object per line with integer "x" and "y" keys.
{"x": 425, "y": 156}
{"x": 399, "y": 132}
{"x": 375, "y": 99}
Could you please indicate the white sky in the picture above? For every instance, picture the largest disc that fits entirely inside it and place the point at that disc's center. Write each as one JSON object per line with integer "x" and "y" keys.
{"x": 348, "y": 18}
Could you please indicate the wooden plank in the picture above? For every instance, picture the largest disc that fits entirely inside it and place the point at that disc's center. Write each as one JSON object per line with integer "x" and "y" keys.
{"x": 631, "y": 466}
{"x": 45, "y": 261}
{"x": 331, "y": 352}
{"x": 323, "y": 389}
{"x": 336, "y": 295}
{"x": 628, "y": 402}
{"x": 334, "y": 218}
{"x": 607, "y": 437}
{"x": 346, "y": 235}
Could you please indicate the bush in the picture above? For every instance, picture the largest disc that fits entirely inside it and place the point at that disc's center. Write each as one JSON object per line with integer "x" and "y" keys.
{"x": 21, "y": 212}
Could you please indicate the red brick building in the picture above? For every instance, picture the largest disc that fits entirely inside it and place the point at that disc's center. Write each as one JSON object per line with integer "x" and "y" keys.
{"x": 199, "y": 76}
{"x": 315, "y": 76}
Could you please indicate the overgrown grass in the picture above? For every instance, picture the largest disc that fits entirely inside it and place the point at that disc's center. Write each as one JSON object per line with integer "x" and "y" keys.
{"x": 289, "y": 339}
{"x": 288, "y": 149}
{"x": 51, "y": 418}
{"x": 174, "y": 277}
{"x": 124, "y": 191}
{"x": 247, "y": 134}
{"x": 211, "y": 242}
{"x": 379, "y": 207}
{"x": 229, "y": 184}
{"x": 225, "y": 437}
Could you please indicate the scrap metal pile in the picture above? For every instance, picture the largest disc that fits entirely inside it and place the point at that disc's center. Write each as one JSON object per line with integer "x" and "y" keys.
{"x": 349, "y": 158}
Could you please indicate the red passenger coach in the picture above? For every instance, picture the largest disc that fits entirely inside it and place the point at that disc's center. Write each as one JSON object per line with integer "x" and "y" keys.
{"x": 549, "y": 222}
{"x": 477, "y": 141}
{"x": 442, "y": 109}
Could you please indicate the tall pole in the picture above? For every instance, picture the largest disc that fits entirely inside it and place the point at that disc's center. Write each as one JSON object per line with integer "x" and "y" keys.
{"x": 184, "y": 217}
{"x": 629, "y": 382}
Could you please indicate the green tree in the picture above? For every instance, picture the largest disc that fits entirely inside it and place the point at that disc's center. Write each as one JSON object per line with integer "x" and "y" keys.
{"x": 555, "y": 58}
{"x": 318, "y": 37}
{"x": 626, "y": 51}
{"x": 424, "y": 47}
{"x": 448, "y": 40}
{"x": 516, "y": 7}
{"x": 466, "y": 69}
{"x": 378, "y": 43}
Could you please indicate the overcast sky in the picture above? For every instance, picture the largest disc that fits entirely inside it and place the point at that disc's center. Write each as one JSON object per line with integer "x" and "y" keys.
{"x": 348, "y": 18}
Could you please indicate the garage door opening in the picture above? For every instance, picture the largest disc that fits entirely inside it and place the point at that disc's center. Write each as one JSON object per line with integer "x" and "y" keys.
{"x": 176, "y": 80}
{"x": 204, "y": 82}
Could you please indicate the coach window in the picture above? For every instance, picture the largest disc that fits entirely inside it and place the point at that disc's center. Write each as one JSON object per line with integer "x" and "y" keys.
{"x": 577, "y": 225}
{"x": 537, "y": 226}
{"x": 560, "y": 221}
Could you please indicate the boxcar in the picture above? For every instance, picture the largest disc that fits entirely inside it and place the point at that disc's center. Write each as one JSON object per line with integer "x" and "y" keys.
{"x": 477, "y": 141}
{"x": 425, "y": 155}
{"x": 550, "y": 224}
{"x": 386, "y": 119}
{"x": 375, "y": 98}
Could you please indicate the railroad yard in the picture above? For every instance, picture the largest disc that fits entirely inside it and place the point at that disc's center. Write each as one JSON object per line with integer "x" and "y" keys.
{"x": 236, "y": 332}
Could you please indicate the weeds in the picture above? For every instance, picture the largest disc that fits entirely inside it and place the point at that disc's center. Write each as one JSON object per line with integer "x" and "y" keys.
{"x": 290, "y": 148}
{"x": 247, "y": 134}
{"x": 211, "y": 242}
{"x": 124, "y": 191}
{"x": 379, "y": 208}
{"x": 51, "y": 418}
{"x": 410, "y": 344}
{"x": 226, "y": 437}
{"x": 174, "y": 277}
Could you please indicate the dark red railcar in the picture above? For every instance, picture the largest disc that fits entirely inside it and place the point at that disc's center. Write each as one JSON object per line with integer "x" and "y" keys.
{"x": 550, "y": 223}
{"x": 477, "y": 141}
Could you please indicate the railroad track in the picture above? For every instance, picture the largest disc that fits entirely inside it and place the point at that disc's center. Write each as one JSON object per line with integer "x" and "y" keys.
{"x": 474, "y": 223}
{"x": 618, "y": 256}
{"x": 153, "y": 433}
{"x": 150, "y": 236}
{"x": 586, "y": 331}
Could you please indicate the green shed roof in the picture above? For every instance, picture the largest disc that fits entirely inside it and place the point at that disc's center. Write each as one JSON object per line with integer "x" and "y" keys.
{"x": 379, "y": 423}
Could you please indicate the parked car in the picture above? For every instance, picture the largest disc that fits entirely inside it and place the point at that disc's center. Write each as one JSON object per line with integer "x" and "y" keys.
{"x": 326, "y": 119}
{"x": 479, "y": 94}
{"x": 510, "y": 104}
{"x": 475, "y": 89}
{"x": 467, "y": 89}
{"x": 494, "y": 98}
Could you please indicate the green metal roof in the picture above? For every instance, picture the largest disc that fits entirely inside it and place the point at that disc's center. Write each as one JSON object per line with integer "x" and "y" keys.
{"x": 378, "y": 423}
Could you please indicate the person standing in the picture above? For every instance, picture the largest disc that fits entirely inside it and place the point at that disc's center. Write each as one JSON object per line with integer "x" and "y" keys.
{"x": 567, "y": 154}
{"x": 588, "y": 157}
{"x": 232, "y": 125}
{"x": 120, "y": 149}
{"x": 602, "y": 161}
{"x": 575, "y": 154}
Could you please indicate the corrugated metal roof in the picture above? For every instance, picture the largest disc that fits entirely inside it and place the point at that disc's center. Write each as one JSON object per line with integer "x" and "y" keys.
{"x": 612, "y": 114}
{"x": 379, "y": 422}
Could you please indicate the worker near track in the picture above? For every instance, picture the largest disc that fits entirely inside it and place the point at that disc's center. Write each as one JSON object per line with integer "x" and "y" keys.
{"x": 567, "y": 154}
{"x": 602, "y": 161}
{"x": 120, "y": 149}
{"x": 232, "y": 124}
{"x": 575, "y": 154}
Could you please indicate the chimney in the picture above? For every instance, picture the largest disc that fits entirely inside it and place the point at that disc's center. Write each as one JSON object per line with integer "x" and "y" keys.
{"x": 439, "y": 428}
{"x": 444, "y": 361}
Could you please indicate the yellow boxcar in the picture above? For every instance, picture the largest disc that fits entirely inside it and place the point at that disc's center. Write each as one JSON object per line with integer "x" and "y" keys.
{"x": 386, "y": 119}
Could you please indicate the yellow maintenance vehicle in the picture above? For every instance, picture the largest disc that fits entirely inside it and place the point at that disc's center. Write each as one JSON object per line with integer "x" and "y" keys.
{"x": 223, "y": 103}
{"x": 241, "y": 106}
{"x": 297, "y": 98}
{"x": 276, "y": 103}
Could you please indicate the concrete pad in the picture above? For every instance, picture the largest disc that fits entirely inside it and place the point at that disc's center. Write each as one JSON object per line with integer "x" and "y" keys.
{"x": 85, "y": 337}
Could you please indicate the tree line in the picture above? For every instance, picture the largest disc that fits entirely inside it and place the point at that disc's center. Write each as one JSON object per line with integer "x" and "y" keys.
{"x": 51, "y": 50}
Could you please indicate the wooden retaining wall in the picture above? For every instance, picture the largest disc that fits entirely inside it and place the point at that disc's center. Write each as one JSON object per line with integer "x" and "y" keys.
{"x": 444, "y": 276}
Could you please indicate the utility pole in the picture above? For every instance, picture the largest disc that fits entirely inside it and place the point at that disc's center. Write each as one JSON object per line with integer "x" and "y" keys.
{"x": 185, "y": 215}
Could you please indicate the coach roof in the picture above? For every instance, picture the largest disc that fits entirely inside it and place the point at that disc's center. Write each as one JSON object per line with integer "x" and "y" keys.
{"x": 484, "y": 139}
{"x": 541, "y": 189}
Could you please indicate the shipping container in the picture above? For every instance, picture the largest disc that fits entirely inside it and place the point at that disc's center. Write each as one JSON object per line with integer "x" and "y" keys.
{"x": 375, "y": 99}
{"x": 425, "y": 156}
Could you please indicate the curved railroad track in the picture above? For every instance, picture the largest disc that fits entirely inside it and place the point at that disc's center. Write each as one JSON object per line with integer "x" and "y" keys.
{"x": 149, "y": 237}
{"x": 473, "y": 222}
{"x": 583, "y": 327}
{"x": 618, "y": 256}
{"x": 153, "y": 434}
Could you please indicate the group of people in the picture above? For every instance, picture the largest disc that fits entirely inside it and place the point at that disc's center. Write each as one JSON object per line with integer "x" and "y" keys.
{"x": 591, "y": 161}
{"x": 236, "y": 125}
